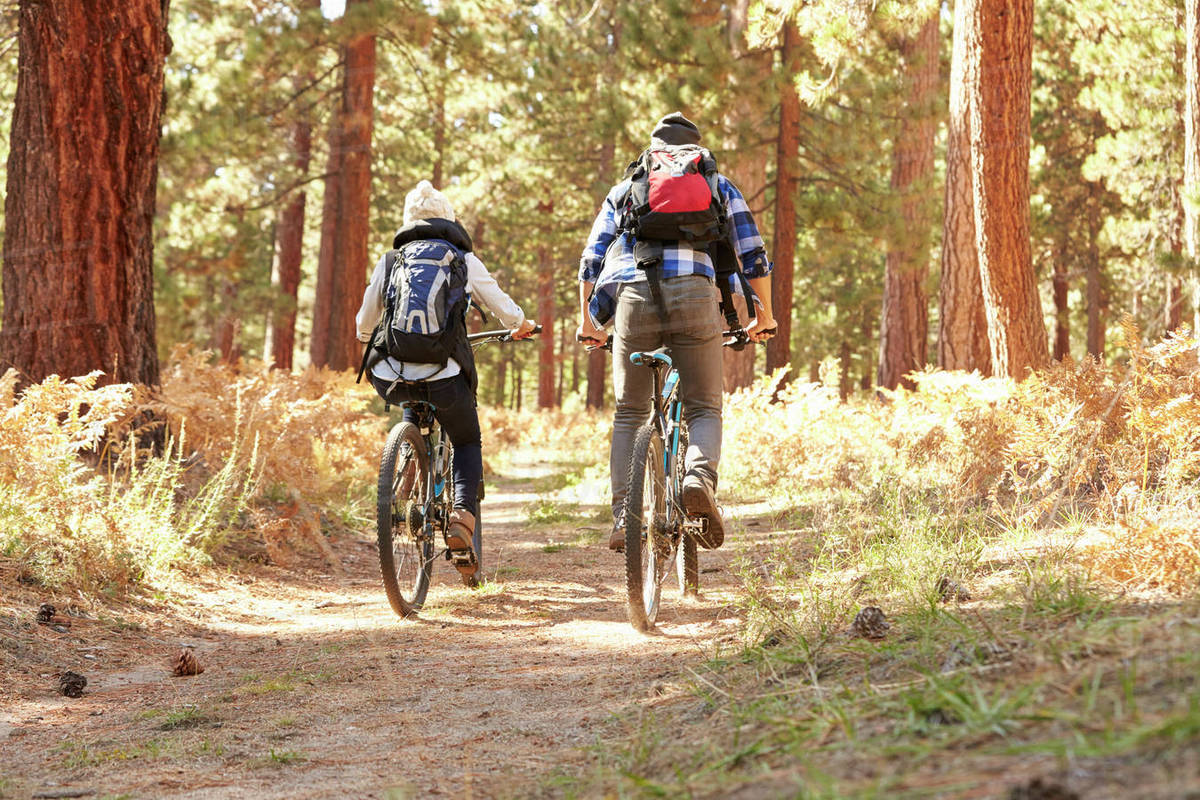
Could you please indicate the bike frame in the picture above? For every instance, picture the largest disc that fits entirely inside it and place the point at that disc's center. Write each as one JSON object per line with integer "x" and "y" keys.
{"x": 435, "y": 504}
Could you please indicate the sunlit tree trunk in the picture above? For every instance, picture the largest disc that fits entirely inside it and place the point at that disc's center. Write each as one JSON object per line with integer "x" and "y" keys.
{"x": 546, "y": 275}
{"x": 344, "y": 258}
{"x": 80, "y": 193}
{"x": 904, "y": 321}
{"x": 746, "y": 164}
{"x": 289, "y": 247}
{"x": 999, "y": 74}
{"x": 1191, "y": 147}
{"x": 962, "y": 323}
{"x": 1062, "y": 310}
{"x": 784, "y": 246}
{"x": 1093, "y": 286}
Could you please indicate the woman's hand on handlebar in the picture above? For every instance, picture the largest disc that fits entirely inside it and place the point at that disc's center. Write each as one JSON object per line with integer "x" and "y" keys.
{"x": 526, "y": 329}
{"x": 761, "y": 328}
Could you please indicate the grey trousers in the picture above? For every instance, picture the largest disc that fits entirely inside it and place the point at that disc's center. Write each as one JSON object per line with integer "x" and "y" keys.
{"x": 692, "y": 329}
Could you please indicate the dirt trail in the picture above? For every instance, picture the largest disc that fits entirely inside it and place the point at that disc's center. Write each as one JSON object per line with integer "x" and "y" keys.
{"x": 314, "y": 688}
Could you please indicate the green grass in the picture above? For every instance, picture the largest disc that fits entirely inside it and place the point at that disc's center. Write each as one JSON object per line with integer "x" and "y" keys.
{"x": 283, "y": 758}
{"x": 1041, "y": 667}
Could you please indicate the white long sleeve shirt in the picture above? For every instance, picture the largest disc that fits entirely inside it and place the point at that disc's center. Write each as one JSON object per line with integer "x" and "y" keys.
{"x": 480, "y": 284}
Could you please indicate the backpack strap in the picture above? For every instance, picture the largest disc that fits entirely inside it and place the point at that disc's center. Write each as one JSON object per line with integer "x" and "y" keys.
{"x": 389, "y": 261}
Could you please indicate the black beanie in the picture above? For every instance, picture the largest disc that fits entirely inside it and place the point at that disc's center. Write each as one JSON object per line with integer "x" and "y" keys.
{"x": 675, "y": 128}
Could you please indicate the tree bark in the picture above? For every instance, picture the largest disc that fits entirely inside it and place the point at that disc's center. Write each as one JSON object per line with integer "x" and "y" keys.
{"x": 904, "y": 321}
{"x": 962, "y": 322}
{"x": 1062, "y": 310}
{"x": 345, "y": 227}
{"x": 746, "y": 164}
{"x": 1191, "y": 145}
{"x": 999, "y": 67}
{"x": 546, "y": 319}
{"x": 289, "y": 255}
{"x": 784, "y": 246}
{"x": 1093, "y": 288}
{"x": 80, "y": 193}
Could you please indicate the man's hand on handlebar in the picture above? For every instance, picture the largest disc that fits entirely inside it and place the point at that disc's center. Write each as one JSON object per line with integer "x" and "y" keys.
{"x": 526, "y": 329}
{"x": 589, "y": 334}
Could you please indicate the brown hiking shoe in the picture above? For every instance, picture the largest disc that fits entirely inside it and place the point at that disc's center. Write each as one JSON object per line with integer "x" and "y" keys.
{"x": 459, "y": 533}
{"x": 616, "y": 539}
{"x": 698, "y": 501}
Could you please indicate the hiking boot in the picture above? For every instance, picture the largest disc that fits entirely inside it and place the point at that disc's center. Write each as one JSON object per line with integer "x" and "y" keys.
{"x": 459, "y": 533}
{"x": 698, "y": 501}
{"x": 616, "y": 539}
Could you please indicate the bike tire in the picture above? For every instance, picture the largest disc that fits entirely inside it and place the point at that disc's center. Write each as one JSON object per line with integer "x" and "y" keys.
{"x": 645, "y": 510}
{"x": 405, "y": 560}
{"x": 687, "y": 564}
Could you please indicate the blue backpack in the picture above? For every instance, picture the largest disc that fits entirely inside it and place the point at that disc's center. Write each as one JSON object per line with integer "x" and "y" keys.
{"x": 425, "y": 302}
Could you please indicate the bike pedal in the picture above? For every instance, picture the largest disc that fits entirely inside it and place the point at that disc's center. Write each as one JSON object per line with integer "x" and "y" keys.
{"x": 461, "y": 558}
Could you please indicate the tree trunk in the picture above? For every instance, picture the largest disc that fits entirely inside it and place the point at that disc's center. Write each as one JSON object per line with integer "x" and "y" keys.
{"x": 746, "y": 164}
{"x": 1062, "y": 311}
{"x": 786, "y": 153}
{"x": 439, "y": 128}
{"x": 289, "y": 253}
{"x": 904, "y": 321}
{"x": 1191, "y": 146}
{"x": 597, "y": 360}
{"x": 79, "y": 204}
{"x": 962, "y": 321}
{"x": 1093, "y": 287}
{"x": 845, "y": 382}
{"x": 546, "y": 318}
{"x": 999, "y": 74}
{"x": 345, "y": 228}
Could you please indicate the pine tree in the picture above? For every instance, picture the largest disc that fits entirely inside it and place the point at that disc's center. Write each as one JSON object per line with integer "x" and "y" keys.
{"x": 345, "y": 223}
{"x": 999, "y": 74}
{"x": 962, "y": 326}
{"x": 78, "y": 248}
{"x": 905, "y": 316}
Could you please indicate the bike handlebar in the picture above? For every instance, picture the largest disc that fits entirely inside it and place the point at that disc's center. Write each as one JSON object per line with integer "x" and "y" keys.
{"x": 736, "y": 338}
{"x": 502, "y": 335}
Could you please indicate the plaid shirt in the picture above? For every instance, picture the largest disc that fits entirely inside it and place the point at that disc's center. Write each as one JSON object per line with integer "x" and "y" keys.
{"x": 608, "y": 259}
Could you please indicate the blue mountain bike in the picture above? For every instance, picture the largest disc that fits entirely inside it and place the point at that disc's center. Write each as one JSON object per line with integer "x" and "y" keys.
{"x": 659, "y": 533}
{"x": 415, "y": 498}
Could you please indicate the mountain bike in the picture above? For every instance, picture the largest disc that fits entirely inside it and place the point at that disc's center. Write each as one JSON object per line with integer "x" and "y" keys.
{"x": 659, "y": 533}
{"x": 416, "y": 496}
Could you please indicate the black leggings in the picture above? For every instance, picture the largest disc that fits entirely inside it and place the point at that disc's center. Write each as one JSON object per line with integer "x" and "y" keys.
{"x": 454, "y": 407}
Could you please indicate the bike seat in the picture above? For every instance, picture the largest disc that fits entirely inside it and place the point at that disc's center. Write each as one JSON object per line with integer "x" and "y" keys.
{"x": 651, "y": 358}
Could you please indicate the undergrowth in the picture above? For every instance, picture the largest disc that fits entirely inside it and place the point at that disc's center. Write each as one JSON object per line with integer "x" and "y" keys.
{"x": 1035, "y": 551}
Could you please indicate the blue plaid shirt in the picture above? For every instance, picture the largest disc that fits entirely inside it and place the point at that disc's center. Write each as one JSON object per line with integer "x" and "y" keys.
{"x": 608, "y": 259}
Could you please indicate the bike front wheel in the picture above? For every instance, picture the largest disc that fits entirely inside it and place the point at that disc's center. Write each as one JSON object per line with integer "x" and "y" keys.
{"x": 405, "y": 547}
{"x": 649, "y": 548}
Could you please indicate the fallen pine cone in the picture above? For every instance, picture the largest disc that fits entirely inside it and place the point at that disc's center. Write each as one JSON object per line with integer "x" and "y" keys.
{"x": 1037, "y": 789}
{"x": 186, "y": 664}
{"x": 71, "y": 684}
{"x": 949, "y": 590}
{"x": 46, "y": 613}
{"x": 870, "y": 623}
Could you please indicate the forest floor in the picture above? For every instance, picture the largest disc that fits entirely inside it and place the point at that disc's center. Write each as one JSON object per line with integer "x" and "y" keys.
{"x": 537, "y": 686}
{"x": 312, "y": 687}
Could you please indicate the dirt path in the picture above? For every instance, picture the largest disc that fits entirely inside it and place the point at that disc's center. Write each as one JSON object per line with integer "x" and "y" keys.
{"x": 314, "y": 688}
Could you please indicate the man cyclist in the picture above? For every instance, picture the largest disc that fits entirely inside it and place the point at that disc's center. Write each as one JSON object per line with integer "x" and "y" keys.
{"x": 675, "y": 303}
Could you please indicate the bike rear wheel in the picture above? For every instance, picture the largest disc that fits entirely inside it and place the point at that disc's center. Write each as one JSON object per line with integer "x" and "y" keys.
{"x": 649, "y": 549}
{"x": 687, "y": 566}
{"x": 405, "y": 548}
